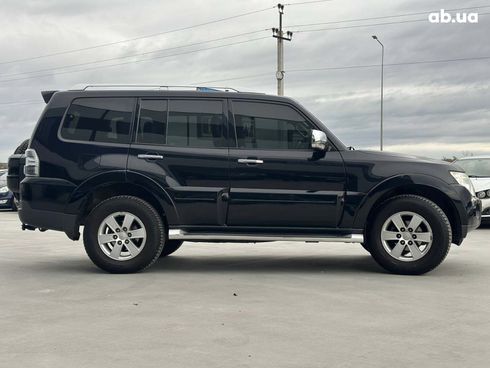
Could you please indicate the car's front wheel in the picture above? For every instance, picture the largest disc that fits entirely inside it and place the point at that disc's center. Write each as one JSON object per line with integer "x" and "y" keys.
{"x": 410, "y": 235}
{"x": 124, "y": 234}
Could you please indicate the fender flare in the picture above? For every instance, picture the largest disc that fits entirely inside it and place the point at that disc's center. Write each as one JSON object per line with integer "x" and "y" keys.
{"x": 79, "y": 197}
{"x": 397, "y": 182}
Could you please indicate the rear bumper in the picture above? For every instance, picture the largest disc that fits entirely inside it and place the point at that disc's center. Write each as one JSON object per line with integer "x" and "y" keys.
{"x": 43, "y": 205}
{"x": 42, "y": 219}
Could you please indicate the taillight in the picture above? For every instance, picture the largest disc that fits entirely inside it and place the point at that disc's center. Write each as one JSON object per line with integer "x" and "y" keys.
{"x": 31, "y": 167}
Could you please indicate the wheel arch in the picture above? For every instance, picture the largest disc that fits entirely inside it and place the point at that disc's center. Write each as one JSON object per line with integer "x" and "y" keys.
{"x": 423, "y": 186}
{"x": 105, "y": 186}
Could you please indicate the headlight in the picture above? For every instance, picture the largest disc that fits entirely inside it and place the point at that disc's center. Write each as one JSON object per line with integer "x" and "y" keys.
{"x": 4, "y": 189}
{"x": 464, "y": 181}
{"x": 488, "y": 193}
{"x": 481, "y": 195}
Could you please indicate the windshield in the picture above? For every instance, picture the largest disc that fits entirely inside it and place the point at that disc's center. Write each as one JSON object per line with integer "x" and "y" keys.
{"x": 478, "y": 167}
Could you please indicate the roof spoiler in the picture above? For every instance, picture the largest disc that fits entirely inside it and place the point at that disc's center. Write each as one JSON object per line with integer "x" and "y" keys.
{"x": 47, "y": 95}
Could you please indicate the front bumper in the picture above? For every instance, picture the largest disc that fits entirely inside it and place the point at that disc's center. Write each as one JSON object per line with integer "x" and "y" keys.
{"x": 6, "y": 200}
{"x": 485, "y": 212}
{"x": 469, "y": 210}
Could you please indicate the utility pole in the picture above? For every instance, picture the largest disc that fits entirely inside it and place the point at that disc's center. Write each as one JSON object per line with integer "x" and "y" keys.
{"x": 281, "y": 36}
{"x": 382, "y": 87}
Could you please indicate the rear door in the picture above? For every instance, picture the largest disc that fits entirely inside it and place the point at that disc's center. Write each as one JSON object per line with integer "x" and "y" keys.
{"x": 182, "y": 144}
{"x": 276, "y": 179}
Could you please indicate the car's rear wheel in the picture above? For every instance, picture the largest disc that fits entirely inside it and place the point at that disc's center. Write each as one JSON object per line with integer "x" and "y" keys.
{"x": 124, "y": 234}
{"x": 410, "y": 235}
{"x": 170, "y": 247}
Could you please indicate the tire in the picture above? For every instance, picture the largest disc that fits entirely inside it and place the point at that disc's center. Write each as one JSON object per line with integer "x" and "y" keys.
{"x": 14, "y": 205}
{"x": 136, "y": 248}
{"x": 170, "y": 247}
{"x": 365, "y": 246}
{"x": 22, "y": 147}
{"x": 391, "y": 248}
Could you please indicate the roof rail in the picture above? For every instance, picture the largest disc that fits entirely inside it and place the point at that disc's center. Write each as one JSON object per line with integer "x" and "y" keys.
{"x": 87, "y": 87}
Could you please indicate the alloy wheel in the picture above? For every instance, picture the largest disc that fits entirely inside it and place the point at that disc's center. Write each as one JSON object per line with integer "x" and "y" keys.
{"x": 406, "y": 236}
{"x": 121, "y": 236}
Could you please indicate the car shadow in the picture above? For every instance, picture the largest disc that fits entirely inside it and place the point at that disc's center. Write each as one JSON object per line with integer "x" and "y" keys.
{"x": 249, "y": 264}
{"x": 267, "y": 264}
{"x": 245, "y": 264}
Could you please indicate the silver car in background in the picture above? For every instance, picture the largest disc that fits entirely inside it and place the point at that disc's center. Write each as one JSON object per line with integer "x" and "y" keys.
{"x": 478, "y": 169}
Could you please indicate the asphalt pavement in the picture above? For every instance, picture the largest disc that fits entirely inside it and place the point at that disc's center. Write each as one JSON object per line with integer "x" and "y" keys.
{"x": 279, "y": 304}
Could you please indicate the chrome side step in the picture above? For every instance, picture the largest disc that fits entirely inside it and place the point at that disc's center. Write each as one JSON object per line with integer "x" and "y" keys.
{"x": 184, "y": 235}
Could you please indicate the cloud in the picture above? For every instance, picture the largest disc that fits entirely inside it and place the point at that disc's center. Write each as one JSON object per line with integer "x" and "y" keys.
{"x": 432, "y": 109}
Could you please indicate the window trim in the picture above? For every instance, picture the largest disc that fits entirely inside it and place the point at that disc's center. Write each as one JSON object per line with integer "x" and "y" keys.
{"x": 94, "y": 143}
{"x": 225, "y": 124}
{"x": 232, "y": 100}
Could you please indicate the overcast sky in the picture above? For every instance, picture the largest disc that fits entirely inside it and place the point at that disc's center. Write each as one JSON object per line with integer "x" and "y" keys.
{"x": 438, "y": 109}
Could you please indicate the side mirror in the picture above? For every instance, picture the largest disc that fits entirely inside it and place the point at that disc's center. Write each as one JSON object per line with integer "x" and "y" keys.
{"x": 318, "y": 140}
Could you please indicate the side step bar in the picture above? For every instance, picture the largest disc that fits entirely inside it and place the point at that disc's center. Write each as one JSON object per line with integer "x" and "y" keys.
{"x": 184, "y": 235}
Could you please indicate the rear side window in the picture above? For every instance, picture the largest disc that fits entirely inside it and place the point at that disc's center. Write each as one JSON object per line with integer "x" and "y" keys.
{"x": 270, "y": 126}
{"x": 152, "y": 127}
{"x": 105, "y": 120}
{"x": 182, "y": 123}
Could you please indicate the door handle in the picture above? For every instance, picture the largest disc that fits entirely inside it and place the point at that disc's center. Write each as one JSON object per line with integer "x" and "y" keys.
{"x": 250, "y": 161}
{"x": 148, "y": 156}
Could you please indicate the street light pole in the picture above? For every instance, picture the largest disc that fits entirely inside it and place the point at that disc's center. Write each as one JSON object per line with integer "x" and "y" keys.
{"x": 382, "y": 89}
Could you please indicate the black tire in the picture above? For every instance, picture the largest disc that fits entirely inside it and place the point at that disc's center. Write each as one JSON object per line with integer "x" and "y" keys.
{"x": 22, "y": 147}
{"x": 365, "y": 246}
{"x": 155, "y": 234}
{"x": 170, "y": 247}
{"x": 14, "y": 205}
{"x": 435, "y": 217}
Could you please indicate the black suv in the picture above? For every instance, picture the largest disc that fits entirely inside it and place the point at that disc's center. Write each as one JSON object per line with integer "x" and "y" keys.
{"x": 144, "y": 169}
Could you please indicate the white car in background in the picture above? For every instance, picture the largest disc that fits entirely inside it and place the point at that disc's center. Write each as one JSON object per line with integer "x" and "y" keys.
{"x": 478, "y": 169}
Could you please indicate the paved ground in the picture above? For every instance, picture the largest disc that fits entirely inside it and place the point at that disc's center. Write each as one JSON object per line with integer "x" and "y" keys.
{"x": 228, "y": 305}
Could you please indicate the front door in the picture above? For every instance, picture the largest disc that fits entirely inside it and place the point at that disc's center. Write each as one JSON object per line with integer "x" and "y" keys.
{"x": 182, "y": 145}
{"x": 276, "y": 179}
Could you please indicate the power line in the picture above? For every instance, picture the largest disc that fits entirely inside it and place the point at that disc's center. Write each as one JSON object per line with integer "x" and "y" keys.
{"x": 234, "y": 78}
{"x": 15, "y": 102}
{"x": 136, "y": 38}
{"x": 131, "y": 55}
{"x": 39, "y": 102}
{"x": 360, "y": 26}
{"x": 477, "y": 58}
{"x": 384, "y": 17}
{"x": 368, "y": 25}
{"x": 134, "y": 61}
{"x": 307, "y": 2}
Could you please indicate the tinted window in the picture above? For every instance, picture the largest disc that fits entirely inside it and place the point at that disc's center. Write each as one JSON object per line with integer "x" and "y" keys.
{"x": 270, "y": 126}
{"x": 193, "y": 123}
{"x": 98, "y": 120}
{"x": 152, "y": 127}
